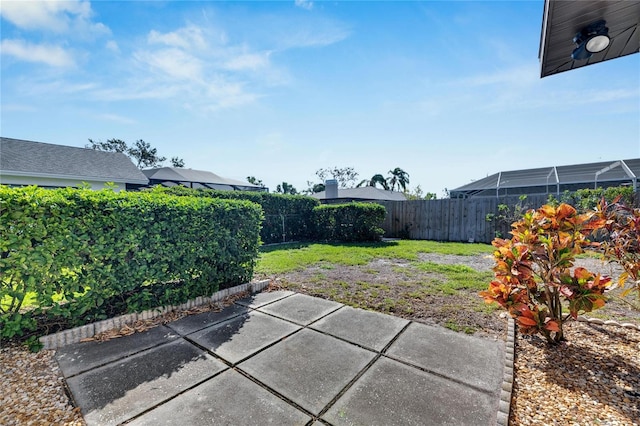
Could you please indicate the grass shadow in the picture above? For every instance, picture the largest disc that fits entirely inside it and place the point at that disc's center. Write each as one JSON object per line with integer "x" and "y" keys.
{"x": 268, "y": 248}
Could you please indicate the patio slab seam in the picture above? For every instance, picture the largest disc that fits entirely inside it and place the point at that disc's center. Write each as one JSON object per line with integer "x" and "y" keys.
{"x": 274, "y": 392}
{"x": 125, "y": 357}
{"x": 502, "y": 395}
{"x": 297, "y": 323}
{"x": 378, "y": 352}
{"x": 266, "y": 303}
{"x": 436, "y": 373}
{"x": 235, "y": 365}
{"x": 177, "y": 395}
{"x": 396, "y": 337}
{"x": 349, "y": 385}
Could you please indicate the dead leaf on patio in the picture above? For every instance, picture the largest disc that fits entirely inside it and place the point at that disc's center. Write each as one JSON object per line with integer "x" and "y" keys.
{"x": 144, "y": 325}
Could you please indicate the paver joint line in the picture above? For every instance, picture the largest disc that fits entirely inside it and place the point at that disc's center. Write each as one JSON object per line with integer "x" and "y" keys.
{"x": 435, "y": 373}
{"x": 273, "y": 391}
{"x": 235, "y": 364}
{"x": 349, "y": 385}
{"x": 330, "y": 399}
{"x": 397, "y": 336}
{"x": 124, "y": 358}
{"x": 176, "y": 396}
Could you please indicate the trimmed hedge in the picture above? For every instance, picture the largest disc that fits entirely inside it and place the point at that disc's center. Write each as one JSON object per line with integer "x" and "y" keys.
{"x": 295, "y": 210}
{"x": 104, "y": 253}
{"x": 349, "y": 222}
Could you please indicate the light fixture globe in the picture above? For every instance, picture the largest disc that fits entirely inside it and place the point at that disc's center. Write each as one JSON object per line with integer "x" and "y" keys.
{"x": 592, "y": 39}
{"x": 597, "y": 43}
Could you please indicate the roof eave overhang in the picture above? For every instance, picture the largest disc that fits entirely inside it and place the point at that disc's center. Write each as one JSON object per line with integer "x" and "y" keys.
{"x": 563, "y": 19}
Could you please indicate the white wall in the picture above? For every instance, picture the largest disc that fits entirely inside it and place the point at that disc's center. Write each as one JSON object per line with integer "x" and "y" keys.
{"x": 55, "y": 182}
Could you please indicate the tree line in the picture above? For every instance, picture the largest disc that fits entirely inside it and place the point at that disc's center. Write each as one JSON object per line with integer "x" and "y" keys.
{"x": 145, "y": 156}
{"x": 140, "y": 152}
{"x": 347, "y": 177}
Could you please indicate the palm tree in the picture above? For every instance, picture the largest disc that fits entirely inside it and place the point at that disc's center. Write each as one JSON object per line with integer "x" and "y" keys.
{"x": 286, "y": 188}
{"x": 375, "y": 180}
{"x": 378, "y": 178}
{"x": 398, "y": 177}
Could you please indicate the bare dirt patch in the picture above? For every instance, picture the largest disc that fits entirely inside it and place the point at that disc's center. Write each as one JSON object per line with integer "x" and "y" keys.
{"x": 403, "y": 289}
{"x": 400, "y": 288}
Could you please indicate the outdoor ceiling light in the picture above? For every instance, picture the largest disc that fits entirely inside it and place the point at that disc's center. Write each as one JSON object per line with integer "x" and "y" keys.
{"x": 592, "y": 39}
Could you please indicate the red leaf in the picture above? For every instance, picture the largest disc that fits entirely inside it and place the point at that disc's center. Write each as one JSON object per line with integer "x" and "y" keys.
{"x": 552, "y": 326}
{"x": 527, "y": 321}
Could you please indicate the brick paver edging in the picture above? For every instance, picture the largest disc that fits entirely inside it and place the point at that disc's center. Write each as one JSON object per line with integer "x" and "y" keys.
{"x": 504, "y": 406}
{"x": 74, "y": 335}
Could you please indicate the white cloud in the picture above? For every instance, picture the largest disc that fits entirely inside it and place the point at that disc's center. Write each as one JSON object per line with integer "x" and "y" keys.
{"x": 273, "y": 141}
{"x": 248, "y": 61}
{"x": 518, "y": 88}
{"x": 224, "y": 94}
{"x": 51, "y": 55}
{"x": 305, "y": 4}
{"x": 136, "y": 90}
{"x": 322, "y": 34}
{"x": 519, "y": 75}
{"x": 17, "y": 108}
{"x": 116, "y": 118}
{"x": 50, "y": 15}
{"x": 197, "y": 67}
{"x": 172, "y": 63}
{"x": 190, "y": 37}
{"x": 112, "y": 45}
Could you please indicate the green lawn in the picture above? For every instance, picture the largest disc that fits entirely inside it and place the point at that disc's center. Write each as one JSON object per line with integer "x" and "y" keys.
{"x": 390, "y": 277}
{"x": 285, "y": 258}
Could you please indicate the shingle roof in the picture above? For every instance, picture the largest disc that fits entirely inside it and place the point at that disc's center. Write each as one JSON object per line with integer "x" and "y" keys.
{"x": 28, "y": 158}
{"x": 365, "y": 193}
{"x": 185, "y": 176}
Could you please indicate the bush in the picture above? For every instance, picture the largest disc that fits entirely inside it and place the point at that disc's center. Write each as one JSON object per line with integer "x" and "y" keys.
{"x": 533, "y": 273}
{"x": 286, "y": 217}
{"x": 622, "y": 243}
{"x": 102, "y": 253}
{"x": 585, "y": 200}
{"x": 349, "y": 222}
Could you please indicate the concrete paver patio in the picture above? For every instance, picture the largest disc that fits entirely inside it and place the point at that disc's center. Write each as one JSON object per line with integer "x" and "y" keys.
{"x": 287, "y": 359}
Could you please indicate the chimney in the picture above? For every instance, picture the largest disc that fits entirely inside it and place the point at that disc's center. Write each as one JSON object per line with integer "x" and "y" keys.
{"x": 331, "y": 188}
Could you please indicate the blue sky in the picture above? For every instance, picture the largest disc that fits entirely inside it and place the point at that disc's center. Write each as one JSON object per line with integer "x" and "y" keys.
{"x": 448, "y": 91}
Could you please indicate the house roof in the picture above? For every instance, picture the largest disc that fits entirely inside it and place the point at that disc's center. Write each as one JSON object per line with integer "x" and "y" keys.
{"x": 194, "y": 178}
{"x": 562, "y": 20}
{"x": 27, "y": 158}
{"x": 364, "y": 193}
{"x": 605, "y": 171}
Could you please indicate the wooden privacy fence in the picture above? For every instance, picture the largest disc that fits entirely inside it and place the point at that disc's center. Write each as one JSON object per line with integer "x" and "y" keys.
{"x": 449, "y": 219}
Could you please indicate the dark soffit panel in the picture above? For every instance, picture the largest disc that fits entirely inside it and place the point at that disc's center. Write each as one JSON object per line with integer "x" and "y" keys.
{"x": 563, "y": 19}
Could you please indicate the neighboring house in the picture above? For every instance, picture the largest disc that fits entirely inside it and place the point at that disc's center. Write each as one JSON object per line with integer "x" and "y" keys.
{"x": 333, "y": 194}
{"x": 54, "y": 166}
{"x": 173, "y": 176}
{"x": 554, "y": 180}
